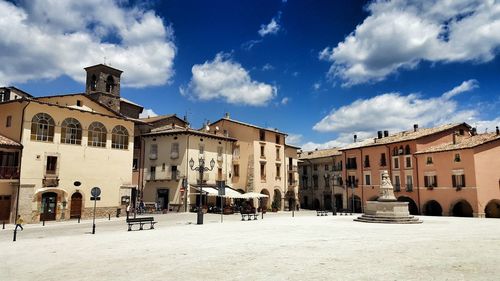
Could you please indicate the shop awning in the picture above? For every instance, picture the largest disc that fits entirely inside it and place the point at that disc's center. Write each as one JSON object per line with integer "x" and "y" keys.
{"x": 212, "y": 191}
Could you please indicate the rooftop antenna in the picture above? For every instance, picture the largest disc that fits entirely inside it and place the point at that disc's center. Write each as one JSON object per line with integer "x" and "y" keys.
{"x": 104, "y": 60}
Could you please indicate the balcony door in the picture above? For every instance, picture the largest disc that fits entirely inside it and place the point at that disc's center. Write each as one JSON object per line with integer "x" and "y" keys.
{"x": 49, "y": 206}
{"x": 163, "y": 201}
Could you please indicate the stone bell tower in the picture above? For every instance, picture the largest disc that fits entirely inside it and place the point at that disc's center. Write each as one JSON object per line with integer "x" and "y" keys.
{"x": 103, "y": 85}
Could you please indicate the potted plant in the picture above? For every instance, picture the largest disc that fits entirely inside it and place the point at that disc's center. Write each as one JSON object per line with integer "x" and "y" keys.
{"x": 275, "y": 206}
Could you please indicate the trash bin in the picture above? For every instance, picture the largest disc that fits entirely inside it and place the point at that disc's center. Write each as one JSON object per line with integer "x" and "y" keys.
{"x": 118, "y": 211}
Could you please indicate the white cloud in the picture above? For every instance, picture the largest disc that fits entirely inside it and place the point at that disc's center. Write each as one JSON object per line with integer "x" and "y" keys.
{"x": 250, "y": 44}
{"x": 147, "y": 112}
{"x": 271, "y": 28}
{"x": 223, "y": 78}
{"x": 267, "y": 67}
{"x": 285, "y": 100}
{"x": 317, "y": 86}
{"x": 48, "y": 39}
{"x": 400, "y": 34}
{"x": 294, "y": 139}
{"x": 396, "y": 112}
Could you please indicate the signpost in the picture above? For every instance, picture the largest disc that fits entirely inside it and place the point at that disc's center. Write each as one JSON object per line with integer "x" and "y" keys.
{"x": 95, "y": 192}
{"x": 221, "y": 185}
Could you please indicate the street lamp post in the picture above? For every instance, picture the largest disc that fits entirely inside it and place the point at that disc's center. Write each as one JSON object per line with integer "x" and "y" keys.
{"x": 334, "y": 207}
{"x": 201, "y": 169}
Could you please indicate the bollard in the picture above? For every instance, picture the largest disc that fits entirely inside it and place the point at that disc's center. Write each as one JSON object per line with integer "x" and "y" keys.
{"x": 109, "y": 216}
{"x": 43, "y": 222}
{"x": 3, "y": 225}
{"x": 79, "y": 219}
{"x": 15, "y": 235}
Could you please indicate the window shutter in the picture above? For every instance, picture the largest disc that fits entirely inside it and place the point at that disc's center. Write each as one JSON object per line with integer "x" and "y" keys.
{"x": 435, "y": 181}
{"x": 463, "y": 180}
{"x": 426, "y": 181}
{"x": 454, "y": 181}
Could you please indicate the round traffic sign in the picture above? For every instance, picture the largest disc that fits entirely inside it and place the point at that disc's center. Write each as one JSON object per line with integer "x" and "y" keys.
{"x": 95, "y": 191}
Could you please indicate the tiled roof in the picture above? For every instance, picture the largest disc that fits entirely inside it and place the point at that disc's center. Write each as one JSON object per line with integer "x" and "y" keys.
{"x": 403, "y": 136}
{"x": 5, "y": 141}
{"x": 249, "y": 125}
{"x": 462, "y": 143}
{"x": 157, "y": 118}
{"x": 319, "y": 153}
{"x": 130, "y": 102}
{"x": 168, "y": 129}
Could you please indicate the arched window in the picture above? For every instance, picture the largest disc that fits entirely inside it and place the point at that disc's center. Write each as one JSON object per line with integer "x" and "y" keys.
{"x": 119, "y": 138}
{"x": 110, "y": 83}
{"x": 395, "y": 151}
{"x": 93, "y": 83}
{"x": 71, "y": 131}
{"x": 97, "y": 135}
{"x": 407, "y": 149}
{"x": 42, "y": 127}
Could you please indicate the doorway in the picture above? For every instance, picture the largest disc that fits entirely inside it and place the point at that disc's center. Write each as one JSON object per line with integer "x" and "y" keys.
{"x": 5, "y": 208}
{"x": 162, "y": 195}
{"x": 49, "y": 206}
{"x": 76, "y": 205}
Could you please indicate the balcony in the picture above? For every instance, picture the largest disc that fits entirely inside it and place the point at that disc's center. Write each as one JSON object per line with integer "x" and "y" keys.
{"x": 7, "y": 173}
{"x": 352, "y": 166}
{"x": 174, "y": 155}
{"x": 397, "y": 188}
{"x": 409, "y": 187}
{"x": 153, "y": 156}
{"x": 50, "y": 181}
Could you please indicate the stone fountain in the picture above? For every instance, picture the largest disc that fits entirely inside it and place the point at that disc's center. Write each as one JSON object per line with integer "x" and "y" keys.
{"x": 387, "y": 209}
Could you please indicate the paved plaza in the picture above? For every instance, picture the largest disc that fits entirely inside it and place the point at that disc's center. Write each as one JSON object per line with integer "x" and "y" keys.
{"x": 279, "y": 247}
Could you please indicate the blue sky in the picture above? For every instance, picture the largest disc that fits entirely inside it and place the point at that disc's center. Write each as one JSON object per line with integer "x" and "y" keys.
{"x": 319, "y": 70}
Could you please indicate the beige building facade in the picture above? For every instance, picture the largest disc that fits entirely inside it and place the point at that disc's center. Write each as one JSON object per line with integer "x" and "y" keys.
{"x": 259, "y": 162}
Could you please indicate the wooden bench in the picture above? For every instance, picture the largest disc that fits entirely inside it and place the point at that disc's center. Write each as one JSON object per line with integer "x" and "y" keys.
{"x": 248, "y": 216}
{"x": 141, "y": 222}
{"x": 321, "y": 213}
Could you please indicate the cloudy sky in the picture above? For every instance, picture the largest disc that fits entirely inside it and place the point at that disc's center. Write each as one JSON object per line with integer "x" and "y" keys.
{"x": 319, "y": 70}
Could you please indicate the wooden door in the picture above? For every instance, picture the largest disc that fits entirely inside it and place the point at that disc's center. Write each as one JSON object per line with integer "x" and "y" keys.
{"x": 5, "y": 208}
{"x": 49, "y": 206}
{"x": 76, "y": 205}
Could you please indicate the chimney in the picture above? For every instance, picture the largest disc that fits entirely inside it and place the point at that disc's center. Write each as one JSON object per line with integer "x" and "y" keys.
{"x": 474, "y": 131}
{"x": 355, "y": 138}
{"x": 498, "y": 131}
{"x": 226, "y": 115}
{"x": 386, "y": 134}
{"x": 415, "y": 127}
{"x": 379, "y": 134}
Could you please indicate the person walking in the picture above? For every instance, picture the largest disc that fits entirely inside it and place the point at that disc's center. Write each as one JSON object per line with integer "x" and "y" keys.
{"x": 19, "y": 222}
{"x": 128, "y": 209}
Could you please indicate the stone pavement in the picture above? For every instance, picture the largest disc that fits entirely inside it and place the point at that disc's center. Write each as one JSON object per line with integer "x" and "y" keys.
{"x": 279, "y": 247}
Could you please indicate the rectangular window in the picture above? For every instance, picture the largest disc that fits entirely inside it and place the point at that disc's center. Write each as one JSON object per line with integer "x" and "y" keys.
{"x": 457, "y": 157}
{"x": 351, "y": 163}
{"x": 137, "y": 142}
{"x": 263, "y": 171}
{"x": 290, "y": 179}
{"x": 326, "y": 167}
{"x": 327, "y": 181}
{"x": 262, "y": 135}
{"x": 304, "y": 170}
{"x": 135, "y": 163}
{"x": 152, "y": 173}
{"x": 8, "y": 122}
{"x": 51, "y": 167}
{"x": 408, "y": 161}
{"x": 351, "y": 181}
{"x": 278, "y": 153}
{"x": 153, "y": 151}
{"x": 383, "y": 162}
{"x": 236, "y": 152}
{"x": 236, "y": 170}
{"x": 315, "y": 181}
{"x": 396, "y": 163}
{"x": 278, "y": 139}
{"x": 458, "y": 181}
{"x": 174, "y": 150}
{"x": 368, "y": 180}
{"x": 430, "y": 181}
{"x": 315, "y": 167}
{"x": 163, "y": 167}
{"x": 79, "y": 103}
{"x": 429, "y": 160}
{"x": 262, "y": 151}
{"x": 409, "y": 183}
{"x": 278, "y": 171}
{"x": 397, "y": 183}
{"x": 367, "y": 161}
